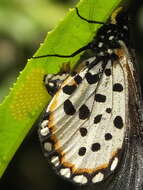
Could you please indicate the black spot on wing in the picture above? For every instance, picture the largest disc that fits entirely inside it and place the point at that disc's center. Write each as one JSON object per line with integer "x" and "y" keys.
{"x": 95, "y": 147}
{"x": 108, "y": 72}
{"x": 92, "y": 78}
{"x": 82, "y": 151}
{"x": 108, "y": 136}
{"x": 78, "y": 79}
{"x": 118, "y": 122}
{"x": 69, "y": 89}
{"x": 108, "y": 110}
{"x": 100, "y": 98}
{"x": 84, "y": 112}
{"x": 69, "y": 108}
{"x": 83, "y": 131}
{"x": 117, "y": 87}
{"x": 97, "y": 119}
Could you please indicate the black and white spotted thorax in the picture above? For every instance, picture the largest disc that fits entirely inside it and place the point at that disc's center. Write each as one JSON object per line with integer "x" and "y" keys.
{"x": 108, "y": 39}
{"x": 91, "y": 120}
{"x": 109, "y": 36}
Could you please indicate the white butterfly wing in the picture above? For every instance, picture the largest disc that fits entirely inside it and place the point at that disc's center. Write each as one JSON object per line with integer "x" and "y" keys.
{"x": 88, "y": 121}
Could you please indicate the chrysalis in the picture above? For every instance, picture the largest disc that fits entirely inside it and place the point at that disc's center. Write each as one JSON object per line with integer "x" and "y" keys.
{"x": 91, "y": 132}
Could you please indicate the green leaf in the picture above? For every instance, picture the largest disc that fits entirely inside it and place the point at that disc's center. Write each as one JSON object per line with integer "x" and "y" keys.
{"x": 28, "y": 96}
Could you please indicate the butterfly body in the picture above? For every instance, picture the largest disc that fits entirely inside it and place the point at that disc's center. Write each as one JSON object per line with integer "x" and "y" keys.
{"x": 89, "y": 122}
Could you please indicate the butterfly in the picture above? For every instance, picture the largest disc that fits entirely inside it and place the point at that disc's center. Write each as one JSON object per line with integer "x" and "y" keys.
{"x": 91, "y": 131}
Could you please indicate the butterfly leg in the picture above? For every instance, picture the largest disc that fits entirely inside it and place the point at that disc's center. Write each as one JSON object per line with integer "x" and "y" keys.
{"x": 87, "y": 20}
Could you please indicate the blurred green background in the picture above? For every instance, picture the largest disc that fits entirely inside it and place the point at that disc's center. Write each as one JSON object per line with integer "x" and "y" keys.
{"x": 23, "y": 25}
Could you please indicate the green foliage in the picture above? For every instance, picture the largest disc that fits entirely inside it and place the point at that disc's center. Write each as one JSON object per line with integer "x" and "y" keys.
{"x": 24, "y": 20}
{"x": 28, "y": 96}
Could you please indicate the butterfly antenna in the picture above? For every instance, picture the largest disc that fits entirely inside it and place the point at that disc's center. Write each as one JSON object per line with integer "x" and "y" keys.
{"x": 89, "y": 21}
{"x": 88, "y": 46}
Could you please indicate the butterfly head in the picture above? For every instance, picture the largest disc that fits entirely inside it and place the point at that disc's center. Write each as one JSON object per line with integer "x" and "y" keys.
{"x": 119, "y": 23}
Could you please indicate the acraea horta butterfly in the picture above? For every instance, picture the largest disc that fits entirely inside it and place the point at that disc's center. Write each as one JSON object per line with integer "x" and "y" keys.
{"x": 91, "y": 132}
